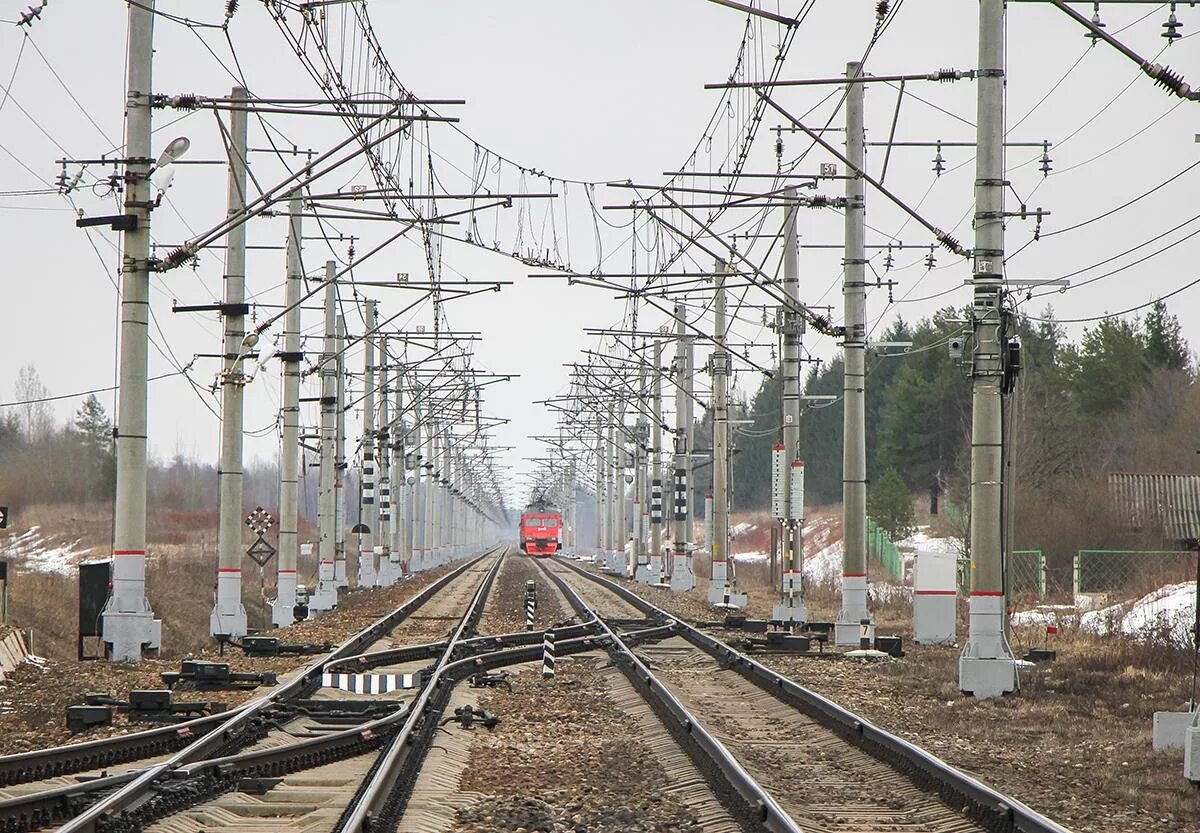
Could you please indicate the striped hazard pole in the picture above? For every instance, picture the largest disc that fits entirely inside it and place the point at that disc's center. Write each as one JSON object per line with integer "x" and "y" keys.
{"x": 548, "y": 656}
{"x": 530, "y": 603}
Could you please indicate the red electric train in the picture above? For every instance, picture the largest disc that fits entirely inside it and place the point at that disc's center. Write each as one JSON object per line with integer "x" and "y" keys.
{"x": 541, "y": 531}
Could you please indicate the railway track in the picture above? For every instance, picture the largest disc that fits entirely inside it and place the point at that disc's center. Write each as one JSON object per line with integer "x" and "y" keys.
{"x": 800, "y": 761}
{"x": 736, "y": 746}
{"x": 208, "y": 755}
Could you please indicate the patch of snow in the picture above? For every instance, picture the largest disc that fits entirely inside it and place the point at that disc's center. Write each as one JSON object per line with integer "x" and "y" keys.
{"x": 1166, "y": 614}
{"x": 741, "y": 529}
{"x": 922, "y": 541}
{"x": 36, "y": 553}
{"x": 882, "y": 591}
{"x": 750, "y": 556}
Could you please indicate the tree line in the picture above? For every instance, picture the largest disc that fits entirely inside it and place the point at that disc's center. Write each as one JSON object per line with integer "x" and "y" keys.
{"x": 1123, "y": 397}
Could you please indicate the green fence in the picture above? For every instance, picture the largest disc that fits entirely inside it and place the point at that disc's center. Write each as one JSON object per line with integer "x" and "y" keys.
{"x": 1027, "y": 573}
{"x": 880, "y": 547}
{"x": 1126, "y": 574}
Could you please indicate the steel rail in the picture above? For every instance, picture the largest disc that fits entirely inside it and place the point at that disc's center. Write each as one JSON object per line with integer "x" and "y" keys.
{"x": 993, "y": 809}
{"x": 756, "y": 803}
{"x": 376, "y": 792}
{"x": 239, "y": 722}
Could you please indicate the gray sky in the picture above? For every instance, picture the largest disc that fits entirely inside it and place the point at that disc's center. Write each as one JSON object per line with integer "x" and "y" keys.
{"x": 582, "y": 90}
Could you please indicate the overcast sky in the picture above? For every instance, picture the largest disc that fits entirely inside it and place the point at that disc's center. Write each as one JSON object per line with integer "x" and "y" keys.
{"x": 582, "y": 90}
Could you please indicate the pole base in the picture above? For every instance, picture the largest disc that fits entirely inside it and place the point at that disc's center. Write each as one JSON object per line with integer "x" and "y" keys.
{"x": 644, "y": 575}
{"x": 848, "y": 634}
{"x": 682, "y": 577}
{"x": 130, "y": 636}
{"x": 791, "y": 609}
{"x": 987, "y": 678}
{"x": 367, "y": 576}
{"x": 1191, "y": 750}
{"x": 720, "y": 594}
{"x": 323, "y": 600}
{"x": 229, "y": 625}
{"x": 282, "y": 613}
{"x": 389, "y": 572}
{"x": 339, "y": 573}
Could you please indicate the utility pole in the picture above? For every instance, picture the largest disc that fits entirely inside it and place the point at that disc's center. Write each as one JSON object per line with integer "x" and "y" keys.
{"x": 640, "y": 567}
{"x": 325, "y": 597}
{"x": 228, "y": 619}
{"x": 791, "y": 607}
{"x": 601, "y": 525}
{"x": 401, "y": 554}
{"x": 385, "y": 439}
{"x": 339, "y": 486}
{"x": 431, "y": 543}
{"x": 369, "y": 514}
{"x": 847, "y": 629}
{"x": 614, "y": 490}
{"x": 987, "y": 667}
{"x": 418, "y": 506}
{"x": 655, "y": 568}
{"x": 283, "y": 611}
{"x": 719, "y": 590}
{"x": 129, "y": 626}
{"x": 682, "y": 576}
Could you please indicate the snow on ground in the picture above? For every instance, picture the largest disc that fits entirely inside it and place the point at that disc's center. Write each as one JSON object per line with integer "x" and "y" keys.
{"x": 36, "y": 553}
{"x": 1163, "y": 615}
{"x": 741, "y": 529}
{"x": 751, "y": 556}
{"x": 922, "y": 541}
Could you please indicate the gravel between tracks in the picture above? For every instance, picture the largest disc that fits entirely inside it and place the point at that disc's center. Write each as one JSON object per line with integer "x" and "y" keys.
{"x": 504, "y": 611}
{"x": 34, "y": 697}
{"x": 567, "y": 758}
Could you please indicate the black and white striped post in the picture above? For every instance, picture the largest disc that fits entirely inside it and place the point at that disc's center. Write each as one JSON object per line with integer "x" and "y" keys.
{"x": 530, "y": 604}
{"x": 548, "y": 656}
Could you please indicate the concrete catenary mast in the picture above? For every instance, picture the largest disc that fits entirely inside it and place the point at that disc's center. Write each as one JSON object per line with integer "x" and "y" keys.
{"x": 228, "y": 619}
{"x": 791, "y": 607}
{"x": 987, "y": 667}
{"x": 847, "y": 630}
{"x": 283, "y": 609}
{"x": 128, "y": 623}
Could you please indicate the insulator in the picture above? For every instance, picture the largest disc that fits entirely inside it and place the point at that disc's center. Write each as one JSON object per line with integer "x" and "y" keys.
{"x": 1046, "y": 160}
{"x": 1172, "y": 26}
{"x": 881, "y": 9}
{"x": 1099, "y": 24}
{"x": 930, "y": 259}
{"x": 939, "y": 162}
{"x": 888, "y": 261}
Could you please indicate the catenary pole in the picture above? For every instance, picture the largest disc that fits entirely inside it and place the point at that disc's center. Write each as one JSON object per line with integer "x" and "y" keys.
{"x": 682, "y": 577}
{"x": 128, "y": 623}
{"x": 847, "y": 629}
{"x": 418, "y": 484}
{"x": 228, "y": 619}
{"x": 325, "y": 597}
{"x": 791, "y": 607}
{"x": 987, "y": 667}
{"x": 339, "y": 487}
{"x": 720, "y": 590}
{"x": 656, "y": 475}
{"x": 283, "y": 610}
{"x": 368, "y": 503}
{"x": 402, "y": 513}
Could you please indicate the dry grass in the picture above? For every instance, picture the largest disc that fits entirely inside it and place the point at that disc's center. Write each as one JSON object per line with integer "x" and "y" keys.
{"x": 180, "y": 578}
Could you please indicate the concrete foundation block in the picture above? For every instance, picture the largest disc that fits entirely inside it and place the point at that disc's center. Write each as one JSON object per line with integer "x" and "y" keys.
{"x": 1170, "y": 729}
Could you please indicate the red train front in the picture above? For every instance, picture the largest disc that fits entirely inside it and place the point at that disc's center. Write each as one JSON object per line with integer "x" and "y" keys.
{"x": 541, "y": 533}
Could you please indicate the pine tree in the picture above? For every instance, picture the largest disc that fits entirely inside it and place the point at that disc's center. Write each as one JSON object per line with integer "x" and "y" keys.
{"x": 890, "y": 505}
{"x": 93, "y": 425}
{"x": 1165, "y": 345}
